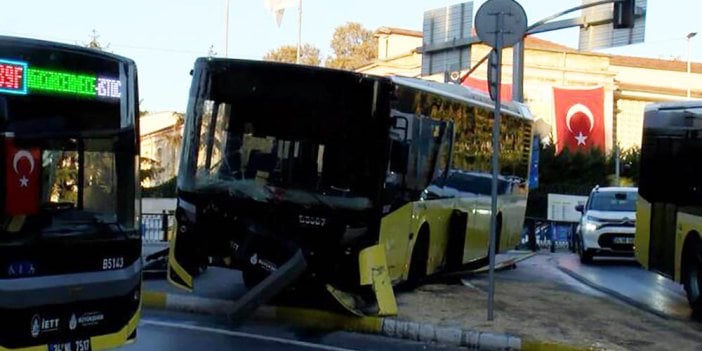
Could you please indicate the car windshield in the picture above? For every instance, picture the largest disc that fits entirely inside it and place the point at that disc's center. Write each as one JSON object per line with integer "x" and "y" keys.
{"x": 614, "y": 201}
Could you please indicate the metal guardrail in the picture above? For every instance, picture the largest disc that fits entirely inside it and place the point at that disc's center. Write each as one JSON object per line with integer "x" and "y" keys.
{"x": 157, "y": 227}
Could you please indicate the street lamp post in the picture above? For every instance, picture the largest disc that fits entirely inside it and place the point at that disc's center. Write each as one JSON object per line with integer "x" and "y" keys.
{"x": 689, "y": 79}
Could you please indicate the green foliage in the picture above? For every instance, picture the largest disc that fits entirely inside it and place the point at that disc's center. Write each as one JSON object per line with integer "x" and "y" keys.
{"x": 167, "y": 189}
{"x": 576, "y": 173}
{"x": 353, "y": 45}
{"x": 148, "y": 169}
{"x": 309, "y": 55}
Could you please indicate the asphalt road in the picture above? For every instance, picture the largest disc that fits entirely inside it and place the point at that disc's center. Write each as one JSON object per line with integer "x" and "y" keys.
{"x": 627, "y": 280}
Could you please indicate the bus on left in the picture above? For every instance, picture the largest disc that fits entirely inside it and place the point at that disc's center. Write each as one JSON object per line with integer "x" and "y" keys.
{"x": 70, "y": 245}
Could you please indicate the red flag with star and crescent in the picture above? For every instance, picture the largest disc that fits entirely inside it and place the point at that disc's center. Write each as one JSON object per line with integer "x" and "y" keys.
{"x": 22, "y": 175}
{"x": 579, "y": 118}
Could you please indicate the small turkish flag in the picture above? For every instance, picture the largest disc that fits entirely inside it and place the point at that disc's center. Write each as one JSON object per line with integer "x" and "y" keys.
{"x": 579, "y": 118}
{"x": 22, "y": 175}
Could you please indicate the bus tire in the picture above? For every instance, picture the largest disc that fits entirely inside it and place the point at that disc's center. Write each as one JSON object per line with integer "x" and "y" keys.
{"x": 418, "y": 261}
{"x": 692, "y": 272}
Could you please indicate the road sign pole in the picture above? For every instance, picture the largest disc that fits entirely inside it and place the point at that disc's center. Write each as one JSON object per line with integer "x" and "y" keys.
{"x": 495, "y": 171}
{"x": 499, "y": 23}
{"x": 518, "y": 72}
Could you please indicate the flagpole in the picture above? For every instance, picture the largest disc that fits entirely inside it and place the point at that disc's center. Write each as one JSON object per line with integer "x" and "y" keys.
{"x": 226, "y": 27}
{"x": 299, "y": 30}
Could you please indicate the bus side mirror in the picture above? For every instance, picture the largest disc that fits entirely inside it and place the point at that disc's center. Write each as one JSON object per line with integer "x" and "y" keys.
{"x": 400, "y": 128}
{"x": 579, "y": 208}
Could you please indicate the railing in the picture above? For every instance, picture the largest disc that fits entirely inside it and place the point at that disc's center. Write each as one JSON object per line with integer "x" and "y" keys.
{"x": 547, "y": 235}
{"x": 157, "y": 227}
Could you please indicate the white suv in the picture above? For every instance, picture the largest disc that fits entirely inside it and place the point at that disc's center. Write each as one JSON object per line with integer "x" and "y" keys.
{"x": 608, "y": 223}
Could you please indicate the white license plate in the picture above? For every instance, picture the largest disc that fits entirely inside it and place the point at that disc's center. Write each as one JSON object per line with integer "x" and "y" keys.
{"x": 75, "y": 345}
{"x": 623, "y": 240}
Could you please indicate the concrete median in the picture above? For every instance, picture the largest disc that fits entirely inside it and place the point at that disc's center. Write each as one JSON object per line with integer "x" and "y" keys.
{"x": 325, "y": 320}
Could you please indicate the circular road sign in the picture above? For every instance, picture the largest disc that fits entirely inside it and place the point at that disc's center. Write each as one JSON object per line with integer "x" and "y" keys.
{"x": 508, "y": 15}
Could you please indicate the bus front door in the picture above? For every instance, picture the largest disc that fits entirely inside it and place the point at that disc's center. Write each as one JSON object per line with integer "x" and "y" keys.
{"x": 662, "y": 245}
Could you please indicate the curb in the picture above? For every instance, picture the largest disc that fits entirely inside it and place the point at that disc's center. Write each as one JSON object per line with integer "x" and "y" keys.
{"x": 325, "y": 320}
{"x": 616, "y": 294}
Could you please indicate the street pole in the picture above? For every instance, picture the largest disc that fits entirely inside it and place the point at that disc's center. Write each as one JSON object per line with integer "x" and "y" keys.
{"x": 499, "y": 32}
{"x": 616, "y": 164}
{"x": 518, "y": 71}
{"x": 689, "y": 78}
{"x": 299, "y": 31}
{"x": 495, "y": 174}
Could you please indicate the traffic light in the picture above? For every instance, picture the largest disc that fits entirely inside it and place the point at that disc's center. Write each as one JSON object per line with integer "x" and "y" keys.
{"x": 624, "y": 14}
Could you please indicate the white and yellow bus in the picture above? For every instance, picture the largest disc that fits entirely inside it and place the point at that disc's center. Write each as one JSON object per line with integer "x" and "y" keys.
{"x": 669, "y": 209}
{"x": 362, "y": 174}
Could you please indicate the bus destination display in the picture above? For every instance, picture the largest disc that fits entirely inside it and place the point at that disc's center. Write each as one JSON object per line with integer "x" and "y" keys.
{"x": 19, "y": 78}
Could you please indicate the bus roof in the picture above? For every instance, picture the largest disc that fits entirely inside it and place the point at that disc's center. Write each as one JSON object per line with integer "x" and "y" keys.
{"x": 674, "y": 114}
{"x": 462, "y": 93}
{"x": 19, "y": 41}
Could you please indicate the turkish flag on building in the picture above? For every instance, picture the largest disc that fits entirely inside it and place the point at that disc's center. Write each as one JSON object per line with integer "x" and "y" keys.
{"x": 22, "y": 175}
{"x": 579, "y": 118}
{"x": 482, "y": 85}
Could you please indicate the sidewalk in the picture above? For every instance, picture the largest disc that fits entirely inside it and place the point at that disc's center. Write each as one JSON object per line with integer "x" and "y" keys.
{"x": 536, "y": 303}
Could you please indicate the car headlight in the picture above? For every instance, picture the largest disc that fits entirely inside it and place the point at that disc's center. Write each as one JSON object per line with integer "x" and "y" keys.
{"x": 590, "y": 225}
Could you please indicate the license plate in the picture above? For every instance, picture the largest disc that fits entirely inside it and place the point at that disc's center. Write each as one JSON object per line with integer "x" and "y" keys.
{"x": 623, "y": 240}
{"x": 75, "y": 345}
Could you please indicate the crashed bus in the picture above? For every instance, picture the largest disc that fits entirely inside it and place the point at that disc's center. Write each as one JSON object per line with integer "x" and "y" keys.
{"x": 70, "y": 246}
{"x": 352, "y": 184}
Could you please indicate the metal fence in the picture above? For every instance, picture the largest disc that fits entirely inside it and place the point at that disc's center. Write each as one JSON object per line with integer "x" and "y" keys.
{"x": 157, "y": 227}
{"x": 547, "y": 235}
{"x": 160, "y": 227}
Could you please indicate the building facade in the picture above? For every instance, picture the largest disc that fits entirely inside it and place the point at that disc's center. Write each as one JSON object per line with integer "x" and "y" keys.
{"x": 161, "y": 140}
{"x": 629, "y": 83}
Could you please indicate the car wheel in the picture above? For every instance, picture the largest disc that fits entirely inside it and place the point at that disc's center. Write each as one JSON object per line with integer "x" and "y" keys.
{"x": 692, "y": 274}
{"x": 584, "y": 253}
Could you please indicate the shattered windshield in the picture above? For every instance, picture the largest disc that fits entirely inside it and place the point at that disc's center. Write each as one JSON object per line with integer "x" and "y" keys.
{"x": 252, "y": 159}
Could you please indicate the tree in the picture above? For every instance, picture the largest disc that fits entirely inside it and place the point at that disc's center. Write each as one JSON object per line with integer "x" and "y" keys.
{"x": 576, "y": 173}
{"x": 309, "y": 55}
{"x": 353, "y": 45}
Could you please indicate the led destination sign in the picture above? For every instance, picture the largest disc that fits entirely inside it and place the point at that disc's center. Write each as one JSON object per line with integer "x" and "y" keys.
{"x": 18, "y": 78}
{"x": 13, "y": 77}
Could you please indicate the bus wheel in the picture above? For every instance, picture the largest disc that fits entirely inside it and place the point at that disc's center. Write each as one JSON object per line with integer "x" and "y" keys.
{"x": 692, "y": 274}
{"x": 418, "y": 261}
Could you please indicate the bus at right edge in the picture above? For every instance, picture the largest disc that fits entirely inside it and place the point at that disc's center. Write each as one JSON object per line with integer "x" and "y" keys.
{"x": 669, "y": 210}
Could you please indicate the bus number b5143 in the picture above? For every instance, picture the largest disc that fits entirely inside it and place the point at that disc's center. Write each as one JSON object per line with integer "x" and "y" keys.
{"x": 112, "y": 263}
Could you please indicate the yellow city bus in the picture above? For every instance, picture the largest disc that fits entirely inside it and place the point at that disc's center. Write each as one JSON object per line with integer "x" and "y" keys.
{"x": 70, "y": 244}
{"x": 376, "y": 181}
{"x": 669, "y": 209}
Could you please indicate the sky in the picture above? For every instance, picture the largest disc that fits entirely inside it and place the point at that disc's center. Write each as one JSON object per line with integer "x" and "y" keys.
{"x": 165, "y": 37}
